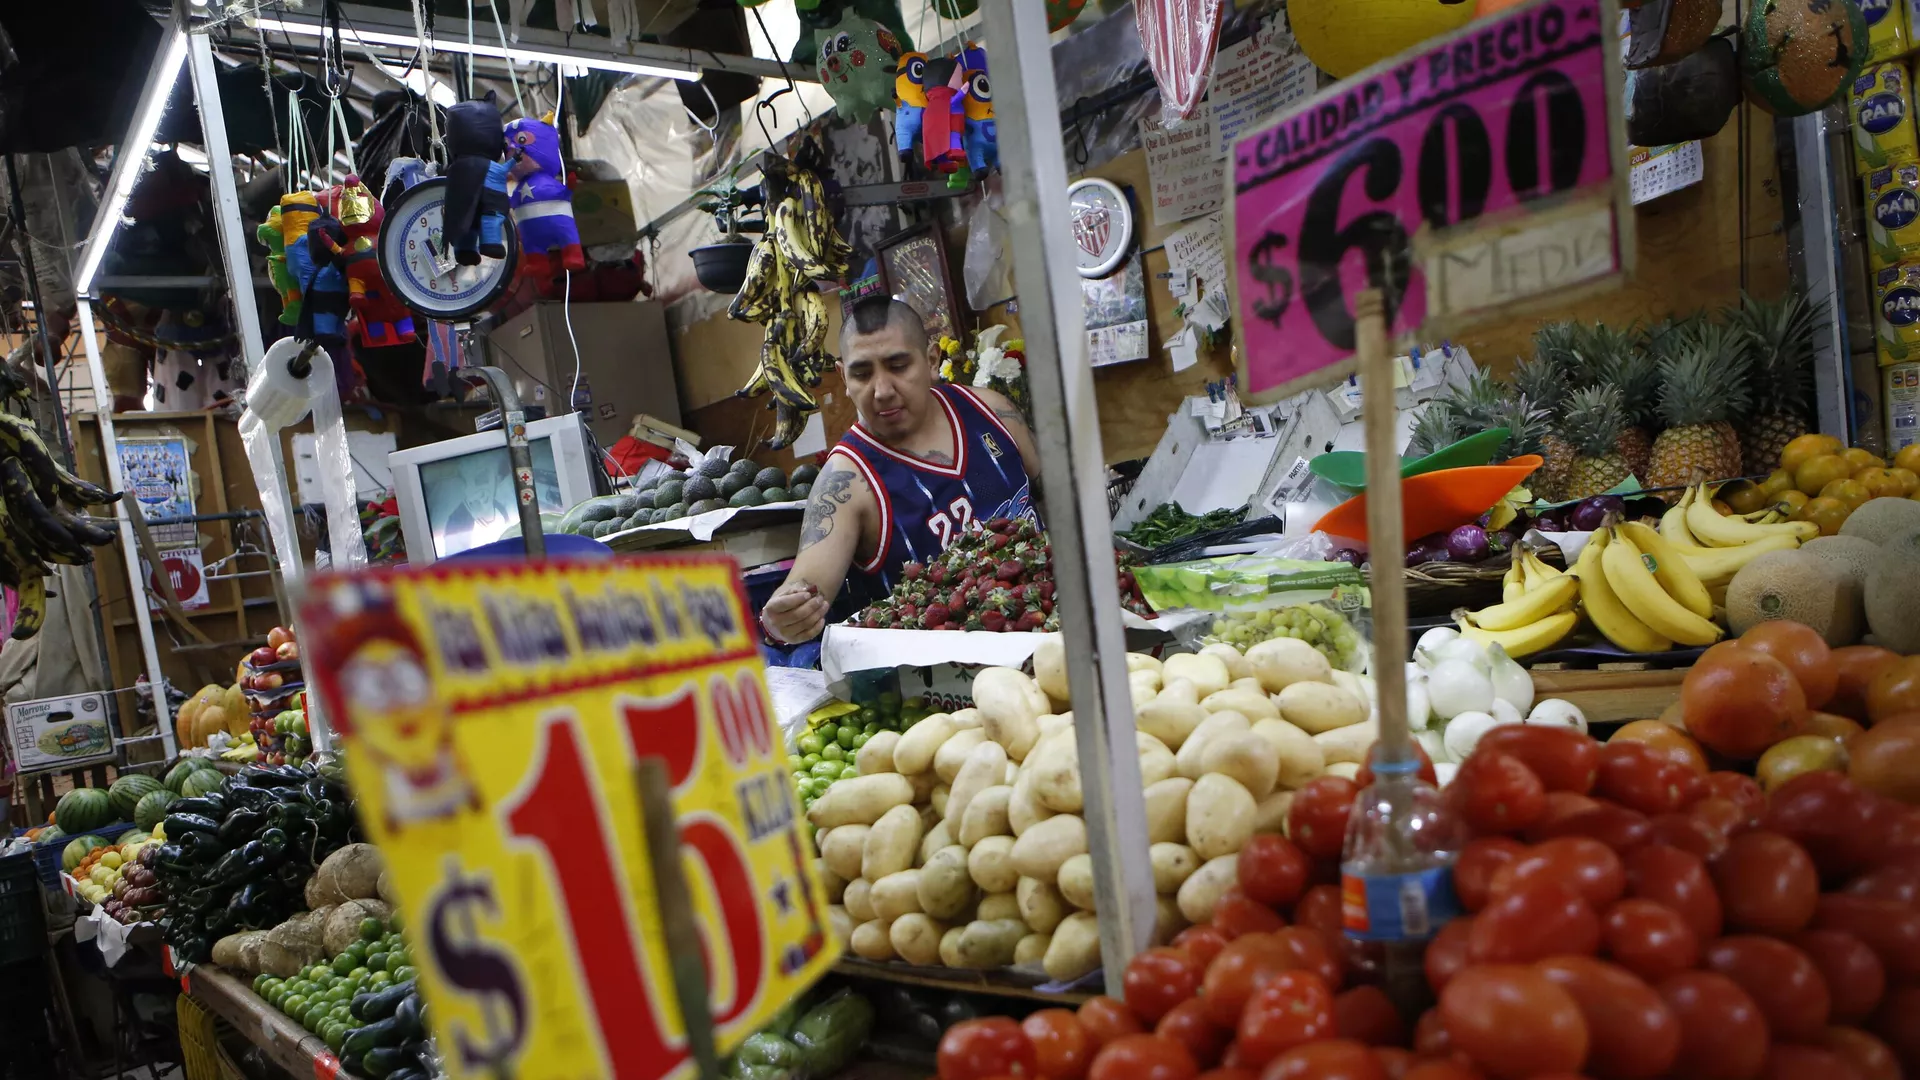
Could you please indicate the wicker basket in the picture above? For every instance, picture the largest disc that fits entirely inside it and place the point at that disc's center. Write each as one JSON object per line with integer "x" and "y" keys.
{"x": 1438, "y": 588}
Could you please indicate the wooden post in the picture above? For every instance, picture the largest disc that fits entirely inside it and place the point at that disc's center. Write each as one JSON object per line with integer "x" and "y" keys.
{"x": 676, "y": 913}
{"x": 1386, "y": 531}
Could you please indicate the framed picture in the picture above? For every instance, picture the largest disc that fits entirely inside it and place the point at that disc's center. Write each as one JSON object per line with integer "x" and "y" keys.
{"x": 913, "y": 267}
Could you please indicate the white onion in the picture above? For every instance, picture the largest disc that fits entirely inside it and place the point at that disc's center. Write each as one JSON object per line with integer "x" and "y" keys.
{"x": 1432, "y": 640}
{"x": 1456, "y": 686}
{"x": 1443, "y": 771}
{"x": 1419, "y": 709}
{"x": 1554, "y": 712}
{"x": 1464, "y": 732}
{"x": 1434, "y": 744}
{"x": 1504, "y": 712}
{"x": 1511, "y": 683}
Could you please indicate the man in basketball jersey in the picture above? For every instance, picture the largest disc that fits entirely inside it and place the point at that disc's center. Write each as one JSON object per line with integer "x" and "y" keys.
{"x": 925, "y": 461}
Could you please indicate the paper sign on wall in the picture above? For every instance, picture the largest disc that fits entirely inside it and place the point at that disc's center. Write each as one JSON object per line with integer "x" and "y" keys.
{"x": 186, "y": 571}
{"x": 1254, "y": 79}
{"x": 1184, "y": 169}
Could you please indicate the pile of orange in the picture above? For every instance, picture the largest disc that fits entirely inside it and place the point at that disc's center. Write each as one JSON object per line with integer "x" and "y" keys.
{"x": 1822, "y": 480}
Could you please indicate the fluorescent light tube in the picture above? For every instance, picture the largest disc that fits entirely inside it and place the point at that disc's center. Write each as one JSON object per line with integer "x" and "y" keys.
{"x": 455, "y": 45}
{"x": 131, "y": 159}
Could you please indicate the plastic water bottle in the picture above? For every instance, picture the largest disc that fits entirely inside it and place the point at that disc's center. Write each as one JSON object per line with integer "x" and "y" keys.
{"x": 1396, "y": 880}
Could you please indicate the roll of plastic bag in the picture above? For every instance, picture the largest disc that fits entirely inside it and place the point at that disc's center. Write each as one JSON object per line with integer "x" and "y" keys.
{"x": 985, "y": 269}
{"x": 276, "y": 399}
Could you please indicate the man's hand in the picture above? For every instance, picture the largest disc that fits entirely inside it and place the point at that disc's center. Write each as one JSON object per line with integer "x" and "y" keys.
{"x": 796, "y": 612}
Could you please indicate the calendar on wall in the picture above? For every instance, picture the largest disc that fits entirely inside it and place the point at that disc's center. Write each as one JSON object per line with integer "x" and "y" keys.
{"x": 1659, "y": 170}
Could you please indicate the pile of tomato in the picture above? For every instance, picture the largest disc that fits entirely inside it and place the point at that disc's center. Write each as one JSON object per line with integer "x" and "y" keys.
{"x": 1631, "y": 915}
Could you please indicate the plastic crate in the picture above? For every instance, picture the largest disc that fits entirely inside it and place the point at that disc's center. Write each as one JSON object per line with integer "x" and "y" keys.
{"x": 46, "y": 857}
{"x": 23, "y": 926}
{"x": 199, "y": 1042}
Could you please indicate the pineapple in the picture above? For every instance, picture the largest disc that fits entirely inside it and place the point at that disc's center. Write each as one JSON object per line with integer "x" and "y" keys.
{"x": 1592, "y": 420}
{"x": 1544, "y": 381}
{"x": 1437, "y": 428}
{"x": 1526, "y": 427}
{"x": 1703, "y": 381}
{"x": 1619, "y": 362}
{"x": 1780, "y": 336}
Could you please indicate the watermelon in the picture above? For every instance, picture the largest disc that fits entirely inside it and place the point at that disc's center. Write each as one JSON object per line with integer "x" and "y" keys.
{"x": 77, "y": 849}
{"x": 131, "y": 836}
{"x": 83, "y": 810}
{"x": 202, "y": 782}
{"x": 127, "y": 792}
{"x": 49, "y": 834}
{"x": 152, "y": 808}
{"x": 177, "y": 775}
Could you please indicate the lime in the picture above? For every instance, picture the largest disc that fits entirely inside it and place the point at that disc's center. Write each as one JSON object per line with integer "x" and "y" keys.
{"x": 871, "y": 729}
{"x": 343, "y": 963}
{"x": 833, "y": 753}
{"x": 403, "y": 973}
{"x": 821, "y": 784}
{"x": 380, "y": 981}
{"x": 336, "y": 1037}
{"x": 810, "y": 743}
{"x": 844, "y": 735}
{"x": 294, "y": 1005}
{"x": 810, "y": 761}
{"x": 371, "y": 929}
{"x": 827, "y": 770}
{"x": 860, "y": 740}
{"x": 849, "y": 769}
{"x": 396, "y": 961}
{"x": 377, "y": 961}
{"x": 795, "y": 761}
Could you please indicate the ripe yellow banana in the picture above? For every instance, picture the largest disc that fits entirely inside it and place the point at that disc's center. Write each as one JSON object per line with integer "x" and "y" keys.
{"x": 1633, "y": 581}
{"x": 1524, "y": 640}
{"x": 1539, "y": 570}
{"x": 1715, "y": 531}
{"x": 1673, "y": 523}
{"x": 1670, "y": 569}
{"x": 1716, "y": 566}
{"x": 1513, "y": 584}
{"x": 1549, "y": 599}
{"x": 1604, "y": 608}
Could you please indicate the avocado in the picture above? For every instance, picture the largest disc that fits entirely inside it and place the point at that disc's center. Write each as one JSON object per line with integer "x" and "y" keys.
{"x": 769, "y": 477}
{"x": 654, "y": 517}
{"x": 699, "y": 487}
{"x": 705, "y": 505}
{"x": 642, "y": 516}
{"x": 667, "y": 493}
{"x": 676, "y": 511}
{"x": 746, "y": 496}
{"x": 805, "y": 474}
{"x": 744, "y": 465}
{"x": 712, "y": 467}
{"x": 775, "y": 494}
{"x": 801, "y": 488}
{"x": 731, "y": 484}
{"x": 625, "y": 505}
{"x": 650, "y": 482}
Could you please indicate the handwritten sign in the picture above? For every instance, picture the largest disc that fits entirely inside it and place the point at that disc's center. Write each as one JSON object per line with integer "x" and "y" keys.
{"x": 1253, "y": 79}
{"x": 1515, "y": 115}
{"x": 494, "y": 715}
{"x": 1183, "y": 167}
{"x": 1199, "y": 249}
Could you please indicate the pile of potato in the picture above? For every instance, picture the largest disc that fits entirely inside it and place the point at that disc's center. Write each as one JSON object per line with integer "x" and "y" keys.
{"x": 961, "y": 842}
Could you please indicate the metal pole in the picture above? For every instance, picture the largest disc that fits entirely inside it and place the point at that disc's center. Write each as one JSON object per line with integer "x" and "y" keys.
{"x": 1820, "y": 243}
{"x": 513, "y": 422}
{"x": 1074, "y": 473}
{"x": 226, "y": 200}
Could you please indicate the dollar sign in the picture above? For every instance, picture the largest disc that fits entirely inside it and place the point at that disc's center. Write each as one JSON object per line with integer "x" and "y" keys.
{"x": 1277, "y": 279}
{"x": 470, "y": 965}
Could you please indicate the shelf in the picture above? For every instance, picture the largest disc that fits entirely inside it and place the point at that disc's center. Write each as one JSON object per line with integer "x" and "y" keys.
{"x": 1611, "y": 696}
{"x": 998, "y": 984}
{"x": 291, "y": 1046}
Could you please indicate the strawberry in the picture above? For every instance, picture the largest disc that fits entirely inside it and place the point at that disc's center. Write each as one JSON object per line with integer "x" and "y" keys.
{"x": 974, "y": 621}
{"x": 912, "y": 571}
{"x": 1019, "y": 592}
{"x": 1046, "y": 606}
{"x": 1031, "y": 620}
{"x": 1009, "y": 571}
{"x": 935, "y": 617}
{"x": 999, "y": 541}
{"x": 908, "y": 611}
{"x": 1046, "y": 590}
{"x": 993, "y": 620}
{"x": 957, "y": 599}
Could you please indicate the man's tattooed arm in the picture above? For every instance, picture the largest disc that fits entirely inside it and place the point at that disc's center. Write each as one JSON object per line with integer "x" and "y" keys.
{"x": 832, "y": 490}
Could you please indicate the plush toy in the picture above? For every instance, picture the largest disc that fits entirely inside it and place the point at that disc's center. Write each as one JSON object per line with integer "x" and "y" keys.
{"x": 268, "y": 233}
{"x": 542, "y": 205}
{"x": 475, "y": 215}
{"x": 980, "y": 136}
{"x": 323, "y": 291}
{"x": 817, "y": 18}
{"x": 942, "y": 127}
{"x": 379, "y": 318}
{"x": 857, "y": 65}
{"x": 910, "y": 101}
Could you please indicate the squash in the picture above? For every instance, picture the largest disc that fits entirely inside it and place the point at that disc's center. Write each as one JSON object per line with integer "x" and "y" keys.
{"x": 186, "y": 721}
{"x": 210, "y": 721}
{"x": 234, "y": 700}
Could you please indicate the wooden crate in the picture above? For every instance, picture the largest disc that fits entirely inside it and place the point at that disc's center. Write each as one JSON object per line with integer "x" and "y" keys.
{"x": 1614, "y": 692}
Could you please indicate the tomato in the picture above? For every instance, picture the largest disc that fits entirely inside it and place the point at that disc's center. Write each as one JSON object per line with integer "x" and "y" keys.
{"x": 1430, "y": 1036}
{"x": 1061, "y": 1044}
{"x": 1722, "y": 1034}
{"x": 1744, "y": 791}
{"x": 1528, "y": 922}
{"x": 1895, "y": 689}
{"x": 1637, "y": 777}
{"x": 1317, "y": 820}
{"x": 1476, "y": 865}
{"x": 1855, "y": 977}
{"x": 1855, "y": 666}
{"x": 1805, "y": 653}
{"x": 1893, "y": 881}
{"x": 1897, "y": 1023}
{"x": 1291, "y": 1008}
{"x": 1228, "y": 1073}
{"x": 1870, "y": 1058}
{"x": 1319, "y": 911}
{"x": 989, "y": 1046}
{"x": 1234, "y": 975}
{"x": 1786, "y": 1061}
{"x": 1723, "y": 817}
{"x": 1886, "y": 760}
{"x": 1779, "y": 978}
{"x": 1364, "y": 777}
{"x": 1367, "y": 1014}
{"x": 1588, "y": 865}
{"x": 1493, "y": 792}
{"x": 1236, "y": 914}
{"x": 1448, "y": 952}
{"x": 1679, "y": 880}
{"x": 1825, "y": 813}
{"x": 1767, "y": 883}
{"x": 1891, "y": 929}
{"x": 1188, "y": 1024}
{"x": 1513, "y": 1021}
{"x": 1159, "y": 979}
{"x": 1688, "y": 832}
{"x": 1740, "y": 702}
{"x": 1203, "y": 943}
{"x": 1330, "y": 1059}
{"x": 1395, "y": 1061}
{"x": 1833, "y": 726}
{"x": 1443, "y": 1070}
{"x": 1610, "y": 823}
{"x": 1106, "y": 1019}
{"x": 1273, "y": 871}
{"x": 1307, "y": 949}
{"x": 1143, "y": 1057}
{"x": 1633, "y": 1034}
{"x": 1649, "y": 939}
{"x": 1667, "y": 742}
{"x": 1563, "y": 759}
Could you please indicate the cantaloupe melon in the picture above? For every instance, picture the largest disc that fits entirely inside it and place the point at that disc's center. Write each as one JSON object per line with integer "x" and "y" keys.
{"x": 1893, "y": 595}
{"x": 1883, "y": 520}
{"x": 1794, "y": 585}
{"x": 1852, "y": 558}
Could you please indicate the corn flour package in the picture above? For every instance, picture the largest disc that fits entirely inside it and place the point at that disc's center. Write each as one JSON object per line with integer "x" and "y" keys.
{"x": 1893, "y": 214}
{"x": 1887, "y": 28}
{"x": 1882, "y": 111}
{"x": 1896, "y": 298}
{"x": 1903, "y": 406}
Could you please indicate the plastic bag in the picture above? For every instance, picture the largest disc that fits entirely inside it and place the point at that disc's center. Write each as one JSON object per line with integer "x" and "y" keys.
{"x": 1283, "y": 590}
{"x": 985, "y": 270}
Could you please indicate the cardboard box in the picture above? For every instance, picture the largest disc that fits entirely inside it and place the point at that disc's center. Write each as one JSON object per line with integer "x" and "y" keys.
{"x": 59, "y": 733}
{"x": 603, "y": 212}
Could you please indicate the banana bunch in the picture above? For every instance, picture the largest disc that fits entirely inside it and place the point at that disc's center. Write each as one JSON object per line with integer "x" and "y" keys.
{"x": 1716, "y": 547}
{"x": 1536, "y": 608}
{"x": 35, "y": 527}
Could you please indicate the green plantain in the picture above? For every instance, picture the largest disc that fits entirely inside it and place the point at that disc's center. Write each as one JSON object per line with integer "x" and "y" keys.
{"x": 50, "y": 481}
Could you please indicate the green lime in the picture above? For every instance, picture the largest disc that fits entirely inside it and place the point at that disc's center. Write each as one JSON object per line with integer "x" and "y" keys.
{"x": 403, "y": 973}
{"x": 343, "y": 963}
{"x": 835, "y": 752}
{"x": 294, "y": 1005}
{"x": 827, "y": 770}
{"x": 872, "y": 729}
{"x": 377, "y": 961}
{"x": 810, "y": 743}
{"x": 848, "y": 770}
{"x": 811, "y": 760}
{"x": 818, "y": 786}
{"x": 371, "y": 929}
{"x": 844, "y": 735}
{"x": 860, "y": 740}
{"x": 796, "y": 762}
{"x": 336, "y": 1037}
{"x": 396, "y": 961}
{"x": 380, "y": 981}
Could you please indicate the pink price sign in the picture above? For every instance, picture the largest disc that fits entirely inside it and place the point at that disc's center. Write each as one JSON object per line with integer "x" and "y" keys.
{"x": 1503, "y": 120}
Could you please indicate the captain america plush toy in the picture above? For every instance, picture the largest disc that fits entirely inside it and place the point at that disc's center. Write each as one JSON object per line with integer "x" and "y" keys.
{"x": 542, "y": 206}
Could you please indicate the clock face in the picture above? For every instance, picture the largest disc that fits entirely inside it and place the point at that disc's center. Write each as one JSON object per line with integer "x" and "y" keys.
{"x": 1102, "y": 221}
{"x": 419, "y": 266}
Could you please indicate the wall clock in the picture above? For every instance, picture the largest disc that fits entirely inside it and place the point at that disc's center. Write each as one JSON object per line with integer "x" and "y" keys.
{"x": 1102, "y": 219}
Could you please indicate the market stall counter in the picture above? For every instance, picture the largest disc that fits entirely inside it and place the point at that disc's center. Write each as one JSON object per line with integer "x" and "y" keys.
{"x": 290, "y": 1046}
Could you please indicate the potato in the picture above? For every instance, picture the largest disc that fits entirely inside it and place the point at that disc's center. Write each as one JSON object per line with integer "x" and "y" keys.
{"x": 1172, "y": 722}
{"x": 1314, "y": 708}
{"x": 1219, "y": 816}
{"x": 950, "y": 946}
{"x": 1360, "y": 686}
{"x": 1041, "y": 905}
{"x": 1207, "y": 673}
{"x": 938, "y": 800}
{"x": 1252, "y": 704}
{"x": 896, "y": 895}
{"x": 1234, "y": 659}
{"x": 1282, "y": 662}
{"x": 1247, "y": 684}
{"x": 871, "y": 940}
{"x": 1202, "y": 890}
{"x": 1348, "y": 744}
{"x": 845, "y": 847}
{"x": 1000, "y": 905}
{"x": 1055, "y": 724}
{"x": 1270, "y": 814}
{"x": 1039, "y": 853}
{"x": 916, "y": 938}
{"x": 923, "y": 785}
{"x": 936, "y": 838}
{"x": 860, "y": 800}
{"x": 986, "y": 815}
{"x": 928, "y": 819}
{"x": 990, "y": 864}
{"x": 1191, "y": 760}
{"x": 891, "y": 843}
{"x": 1032, "y": 948}
{"x": 1011, "y": 705}
{"x": 1024, "y": 809}
{"x": 859, "y": 899}
{"x": 834, "y": 884}
{"x": 1076, "y": 882}
{"x": 1050, "y": 666}
{"x": 1247, "y": 758}
{"x": 1143, "y": 662}
{"x": 841, "y": 923}
{"x": 1054, "y": 766}
{"x": 989, "y": 943}
{"x": 914, "y": 752}
{"x": 1142, "y": 688}
{"x": 953, "y": 753}
{"x": 966, "y": 718}
{"x": 986, "y": 766}
{"x": 1167, "y": 809}
{"x": 1346, "y": 770}
{"x": 1167, "y": 919}
{"x": 877, "y": 755}
{"x": 1011, "y": 774}
{"x": 946, "y": 888}
{"x": 1178, "y": 691}
{"x": 1156, "y": 761}
{"x": 1301, "y": 758}
{"x": 1173, "y": 864}
{"x": 1075, "y": 948}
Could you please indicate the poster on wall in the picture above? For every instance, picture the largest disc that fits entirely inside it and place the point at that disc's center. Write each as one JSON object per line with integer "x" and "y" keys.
{"x": 1116, "y": 314}
{"x": 159, "y": 475}
{"x": 186, "y": 570}
{"x": 913, "y": 265}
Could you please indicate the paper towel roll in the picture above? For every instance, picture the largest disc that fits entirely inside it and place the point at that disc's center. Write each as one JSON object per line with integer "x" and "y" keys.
{"x": 277, "y": 398}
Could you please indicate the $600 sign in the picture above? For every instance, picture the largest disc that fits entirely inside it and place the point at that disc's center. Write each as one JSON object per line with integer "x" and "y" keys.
{"x": 494, "y": 716}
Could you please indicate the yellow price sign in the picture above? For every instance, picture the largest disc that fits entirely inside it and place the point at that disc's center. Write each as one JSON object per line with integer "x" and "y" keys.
{"x": 494, "y": 717}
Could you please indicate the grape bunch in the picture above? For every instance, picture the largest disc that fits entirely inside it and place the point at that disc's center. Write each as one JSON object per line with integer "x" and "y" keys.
{"x": 1316, "y": 624}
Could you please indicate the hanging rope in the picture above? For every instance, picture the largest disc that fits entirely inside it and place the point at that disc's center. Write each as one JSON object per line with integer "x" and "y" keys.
{"x": 299, "y": 153}
{"x": 338, "y": 115}
{"x": 513, "y": 79}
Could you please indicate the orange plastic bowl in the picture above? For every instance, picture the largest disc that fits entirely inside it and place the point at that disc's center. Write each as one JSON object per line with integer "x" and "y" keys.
{"x": 1436, "y": 501}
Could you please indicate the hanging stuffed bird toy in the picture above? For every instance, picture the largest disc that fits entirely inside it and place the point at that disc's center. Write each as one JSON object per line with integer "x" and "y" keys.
{"x": 542, "y": 205}
{"x": 943, "y": 125}
{"x": 475, "y": 215}
{"x": 980, "y": 137}
{"x": 910, "y": 101}
{"x": 857, "y": 65}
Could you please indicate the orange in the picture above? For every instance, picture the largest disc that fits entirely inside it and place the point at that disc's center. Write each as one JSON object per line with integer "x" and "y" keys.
{"x": 1799, "y": 450}
{"x": 1816, "y": 473}
{"x": 1777, "y": 482}
{"x": 1863, "y": 458}
{"x": 1851, "y": 492}
{"x": 1909, "y": 480}
{"x": 1908, "y": 458}
{"x": 1880, "y": 482}
{"x": 1828, "y": 513}
{"x": 1744, "y": 496}
{"x": 1793, "y": 501}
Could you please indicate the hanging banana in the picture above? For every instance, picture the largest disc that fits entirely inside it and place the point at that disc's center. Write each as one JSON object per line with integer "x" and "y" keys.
{"x": 35, "y": 527}
{"x": 802, "y": 245}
